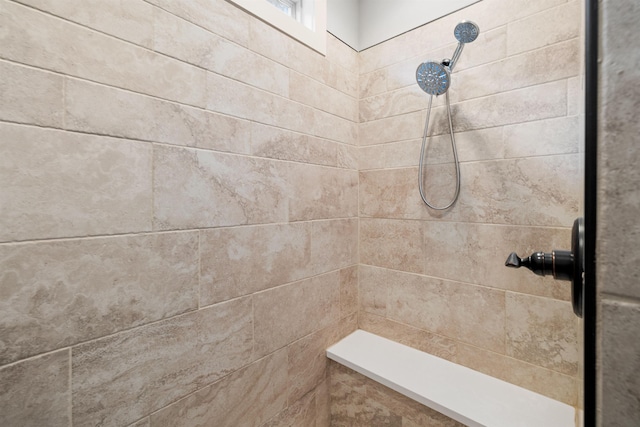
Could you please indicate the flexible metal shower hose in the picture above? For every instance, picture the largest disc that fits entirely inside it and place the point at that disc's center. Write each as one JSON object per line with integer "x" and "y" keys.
{"x": 422, "y": 166}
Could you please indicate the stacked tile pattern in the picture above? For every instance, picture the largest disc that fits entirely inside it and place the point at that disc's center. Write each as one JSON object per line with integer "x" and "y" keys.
{"x": 436, "y": 280}
{"x": 617, "y": 257}
{"x": 178, "y": 215}
{"x": 180, "y": 203}
{"x": 357, "y": 401}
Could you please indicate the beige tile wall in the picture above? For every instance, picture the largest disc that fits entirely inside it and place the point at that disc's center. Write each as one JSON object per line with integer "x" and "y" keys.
{"x": 436, "y": 280}
{"x": 357, "y": 401}
{"x": 618, "y": 269}
{"x": 182, "y": 188}
{"x": 178, "y": 215}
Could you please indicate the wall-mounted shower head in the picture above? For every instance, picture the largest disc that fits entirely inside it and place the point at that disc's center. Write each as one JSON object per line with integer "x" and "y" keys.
{"x": 466, "y": 31}
{"x": 433, "y": 77}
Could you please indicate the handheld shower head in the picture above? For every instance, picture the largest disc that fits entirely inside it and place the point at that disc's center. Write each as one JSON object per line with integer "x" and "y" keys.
{"x": 466, "y": 31}
{"x": 433, "y": 77}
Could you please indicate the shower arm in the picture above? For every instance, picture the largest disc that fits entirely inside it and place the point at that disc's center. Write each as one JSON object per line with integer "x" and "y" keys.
{"x": 456, "y": 56}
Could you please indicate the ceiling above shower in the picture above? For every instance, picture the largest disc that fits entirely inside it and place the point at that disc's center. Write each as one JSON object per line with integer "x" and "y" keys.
{"x": 364, "y": 23}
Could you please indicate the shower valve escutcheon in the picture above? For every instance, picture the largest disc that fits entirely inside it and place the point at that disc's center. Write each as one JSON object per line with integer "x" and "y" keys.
{"x": 562, "y": 265}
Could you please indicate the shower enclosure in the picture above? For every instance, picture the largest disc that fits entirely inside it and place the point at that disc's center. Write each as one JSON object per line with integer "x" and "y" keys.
{"x": 516, "y": 108}
{"x": 181, "y": 239}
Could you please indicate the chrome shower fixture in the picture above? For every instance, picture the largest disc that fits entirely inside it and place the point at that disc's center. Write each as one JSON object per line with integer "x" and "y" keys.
{"x": 465, "y": 32}
{"x": 434, "y": 78}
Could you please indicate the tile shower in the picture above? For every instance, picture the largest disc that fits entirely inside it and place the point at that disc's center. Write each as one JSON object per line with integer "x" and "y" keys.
{"x": 194, "y": 206}
{"x": 516, "y": 101}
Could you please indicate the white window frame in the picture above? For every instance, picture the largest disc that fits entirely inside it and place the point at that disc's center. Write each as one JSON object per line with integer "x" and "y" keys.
{"x": 316, "y": 39}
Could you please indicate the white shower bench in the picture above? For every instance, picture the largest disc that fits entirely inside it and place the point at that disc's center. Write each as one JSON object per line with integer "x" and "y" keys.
{"x": 467, "y": 396}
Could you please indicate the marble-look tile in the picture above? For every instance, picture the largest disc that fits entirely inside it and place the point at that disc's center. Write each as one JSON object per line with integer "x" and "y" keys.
{"x": 488, "y": 14}
{"x": 494, "y": 13}
{"x": 373, "y": 292}
{"x": 348, "y": 291}
{"x": 99, "y": 109}
{"x": 473, "y": 145}
{"x": 545, "y": 137}
{"x": 319, "y": 192}
{"x": 397, "y": 102}
{"x": 212, "y": 131}
{"x": 390, "y": 155}
{"x": 420, "y": 339}
{"x": 287, "y": 313}
{"x": 274, "y": 44}
{"x": 619, "y": 363}
{"x": 391, "y": 193}
{"x": 413, "y": 413}
{"x": 299, "y": 414}
{"x": 403, "y": 74}
{"x": 276, "y": 143}
{"x": 372, "y": 404}
{"x": 145, "y": 422}
{"x": 242, "y": 260}
{"x": 326, "y": 125}
{"x": 475, "y": 253}
{"x": 125, "y": 19}
{"x": 537, "y": 191}
{"x": 435, "y": 35}
{"x": 30, "y": 96}
{"x": 618, "y": 156}
{"x": 426, "y": 303}
{"x": 35, "y": 392}
{"x": 63, "y": 292}
{"x": 347, "y": 156}
{"x": 354, "y": 409}
{"x": 540, "y": 380}
{"x": 342, "y": 54}
{"x": 307, "y": 357}
{"x": 618, "y": 176}
{"x": 395, "y": 244}
{"x": 343, "y": 80}
{"x": 339, "y": 373}
{"x": 334, "y": 244}
{"x": 323, "y": 405}
{"x": 121, "y": 378}
{"x": 575, "y": 95}
{"x": 217, "y": 16}
{"x": 543, "y": 332}
{"x": 191, "y": 43}
{"x": 307, "y": 361}
{"x": 542, "y": 29}
{"x": 54, "y": 44}
{"x": 391, "y": 129}
{"x": 196, "y": 188}
{"x": 247, "y": 397}
{"x": 490, "y": 46}
{"x": 311, "y": 92}
{"x": 373, "y": 83}
{"x": 228, "y": 96}
{"x": 65, "y": 184}
{"x": 529, "y": 69}
{"x": 538, "y": 102}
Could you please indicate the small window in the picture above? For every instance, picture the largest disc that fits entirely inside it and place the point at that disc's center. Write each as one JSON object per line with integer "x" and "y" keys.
{"x": 286, "y": 6}
{"x": 304, "y": 20}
